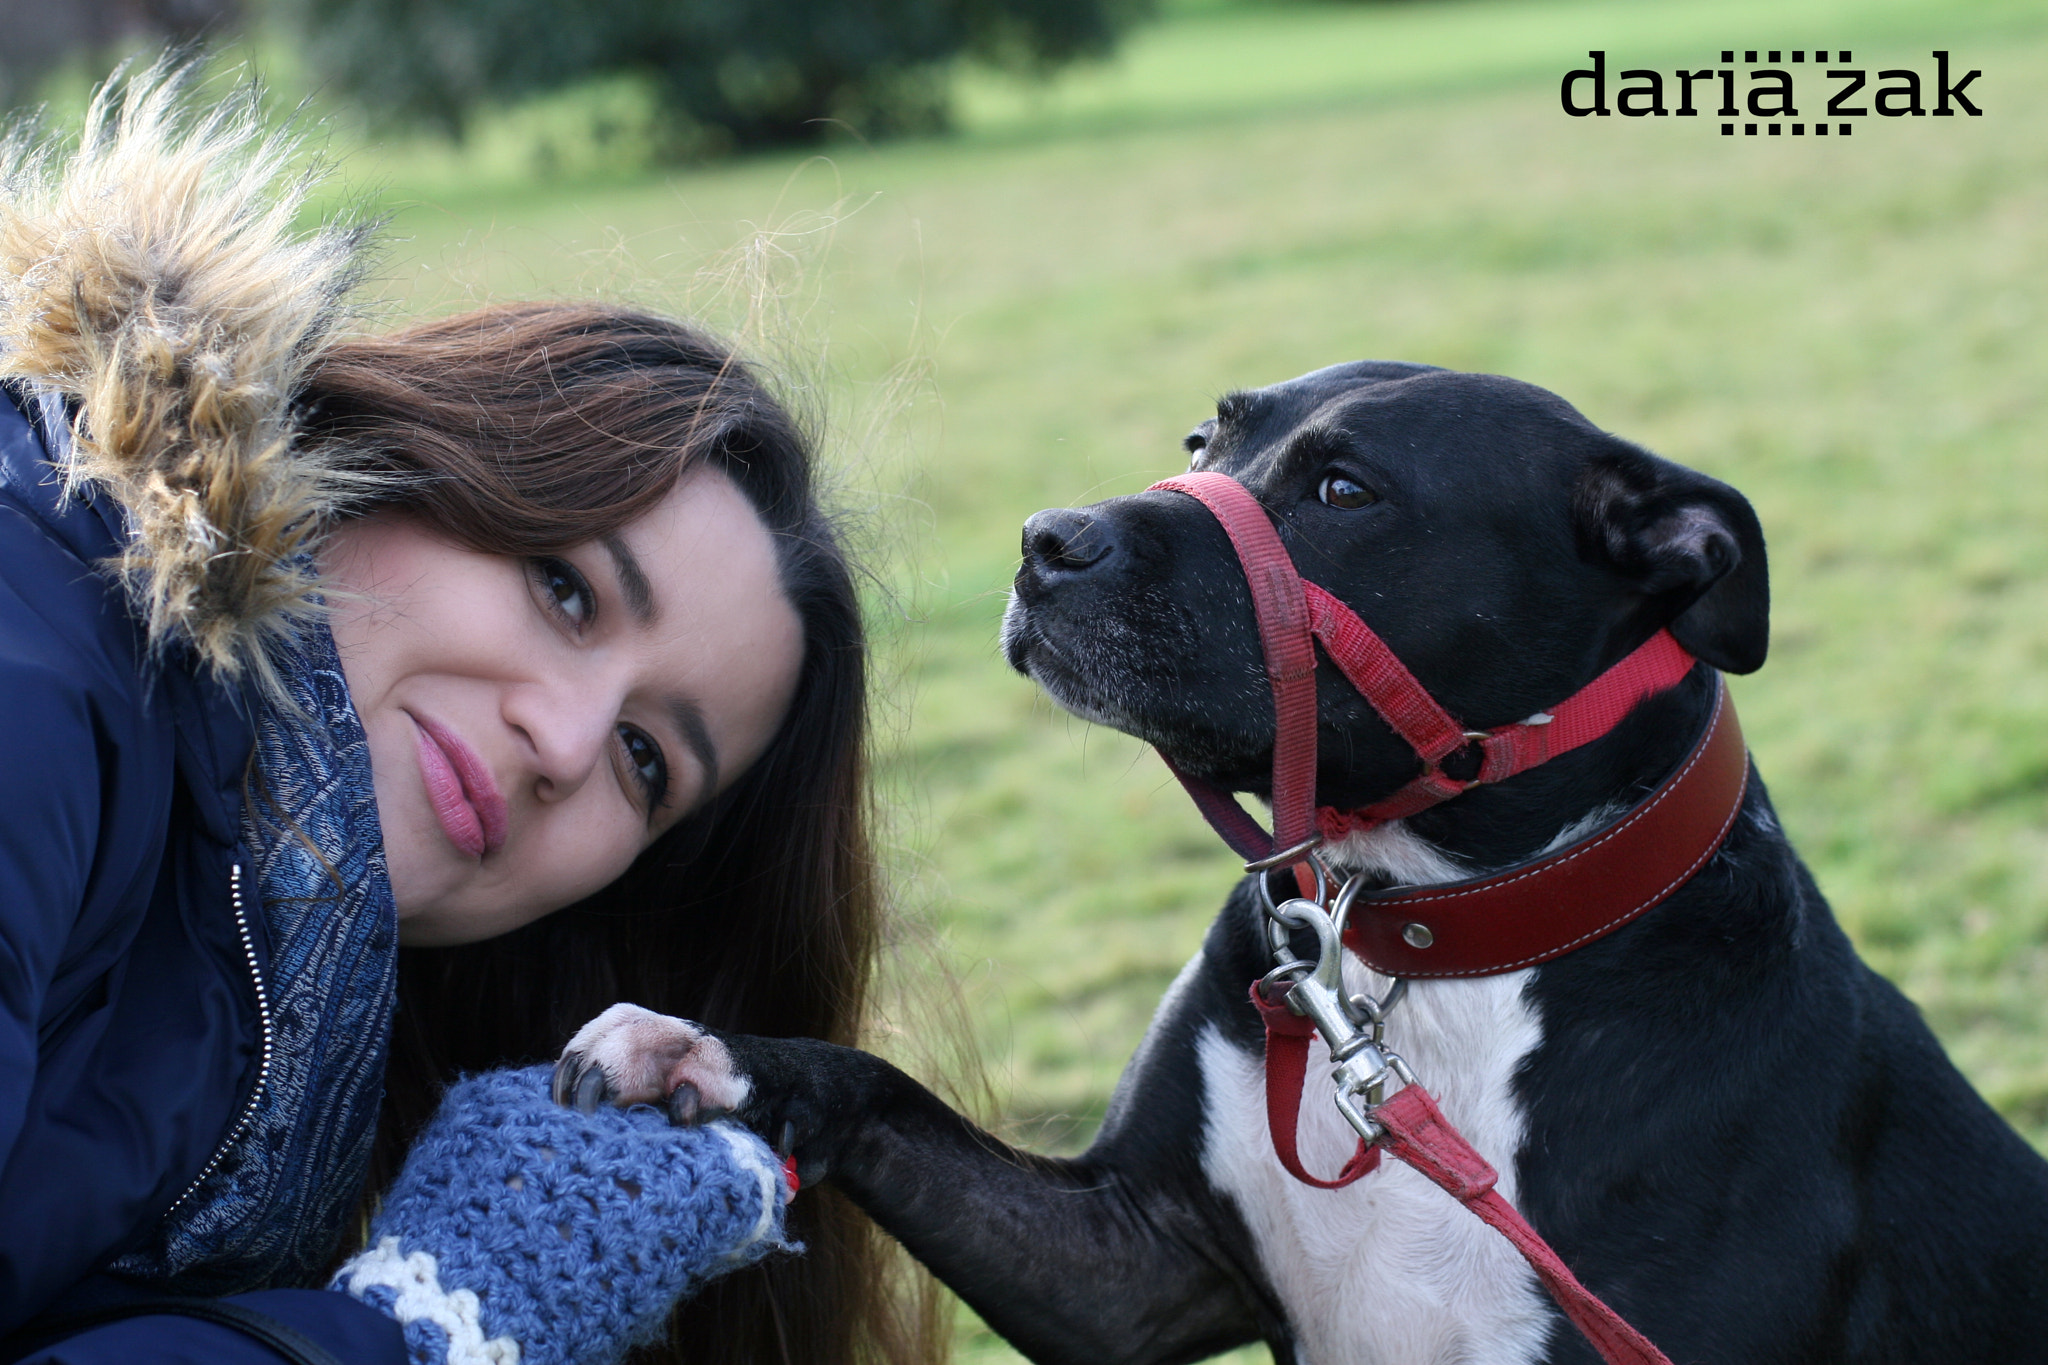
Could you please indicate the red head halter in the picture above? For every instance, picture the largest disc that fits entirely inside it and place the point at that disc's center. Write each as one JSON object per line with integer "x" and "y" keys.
{"x": 1293, "y": 614}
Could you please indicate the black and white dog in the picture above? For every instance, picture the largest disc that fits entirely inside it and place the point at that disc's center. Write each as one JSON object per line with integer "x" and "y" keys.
{"x": 1735, "y": 1133}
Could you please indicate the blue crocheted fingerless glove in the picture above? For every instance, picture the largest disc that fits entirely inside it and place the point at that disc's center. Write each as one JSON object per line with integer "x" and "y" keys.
{"x": 522, "y": 1232}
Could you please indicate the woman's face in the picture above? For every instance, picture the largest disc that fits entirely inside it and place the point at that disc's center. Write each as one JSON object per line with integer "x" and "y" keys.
{"x": 535, "y": 724}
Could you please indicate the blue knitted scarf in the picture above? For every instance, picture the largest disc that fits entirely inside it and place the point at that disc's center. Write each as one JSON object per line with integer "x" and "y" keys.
{"x": 272, "y": 1212}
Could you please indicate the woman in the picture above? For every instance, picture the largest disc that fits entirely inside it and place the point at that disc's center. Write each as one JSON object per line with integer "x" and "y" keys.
{"x": 517, "y": 639}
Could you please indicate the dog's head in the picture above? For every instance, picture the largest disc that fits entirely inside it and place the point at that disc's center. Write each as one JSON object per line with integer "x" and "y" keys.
{"x": 1505, "y": 548}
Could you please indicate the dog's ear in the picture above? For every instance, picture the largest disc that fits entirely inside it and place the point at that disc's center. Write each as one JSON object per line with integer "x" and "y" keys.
{"x": 1689, "y": 542}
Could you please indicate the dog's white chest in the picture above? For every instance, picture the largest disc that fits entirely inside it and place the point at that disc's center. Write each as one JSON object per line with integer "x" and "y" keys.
{"x": 1389, "y": 1270}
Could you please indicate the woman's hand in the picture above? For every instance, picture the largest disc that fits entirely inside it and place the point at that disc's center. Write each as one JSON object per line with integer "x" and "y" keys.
{"x": 523, "y": 1231}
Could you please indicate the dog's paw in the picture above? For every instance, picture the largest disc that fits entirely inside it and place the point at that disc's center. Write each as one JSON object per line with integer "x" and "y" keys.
{"x": 629, "y": 1055}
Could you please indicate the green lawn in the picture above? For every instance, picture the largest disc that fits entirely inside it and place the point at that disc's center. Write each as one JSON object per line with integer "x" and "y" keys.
{"x": 1034, "y": 312}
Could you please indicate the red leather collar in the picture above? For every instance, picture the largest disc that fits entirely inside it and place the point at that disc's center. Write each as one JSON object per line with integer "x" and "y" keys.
{"x": 1544, "y": 908}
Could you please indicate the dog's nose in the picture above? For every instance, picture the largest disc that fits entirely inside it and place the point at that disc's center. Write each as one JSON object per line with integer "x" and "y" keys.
{"x": 1064, "y": 539}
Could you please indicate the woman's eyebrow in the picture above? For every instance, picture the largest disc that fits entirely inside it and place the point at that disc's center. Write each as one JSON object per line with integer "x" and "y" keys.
{"x": 689, "y": 721}
{"x": 633, "y": 582}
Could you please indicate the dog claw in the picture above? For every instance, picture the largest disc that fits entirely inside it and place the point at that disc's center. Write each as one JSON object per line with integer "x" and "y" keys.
{"x": 590, "y": 1090}
{"x": 562, "y": 1088}
{"x": 685, "y": 1106}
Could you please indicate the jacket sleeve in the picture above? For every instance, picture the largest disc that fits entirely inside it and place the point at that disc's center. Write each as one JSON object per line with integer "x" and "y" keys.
{"x": 354, "y": 1332}
{"x": 85, "y": 790}
{"x": 51, "y": 813}
{"x": 49, "y": 784}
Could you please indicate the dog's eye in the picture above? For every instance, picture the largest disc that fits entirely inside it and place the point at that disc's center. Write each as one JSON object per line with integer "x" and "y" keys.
{"x": 1340, "y": 490}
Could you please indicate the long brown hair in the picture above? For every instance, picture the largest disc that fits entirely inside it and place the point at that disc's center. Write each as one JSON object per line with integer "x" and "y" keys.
{"x": 524, "y": 430}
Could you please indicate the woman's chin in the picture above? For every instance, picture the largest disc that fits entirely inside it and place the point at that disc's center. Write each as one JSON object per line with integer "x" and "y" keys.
{"x": 425, "y": 895}
{"x": 446, "y": 907}
{"x": 428, "y": 931}
{"x": 442, "y": 926}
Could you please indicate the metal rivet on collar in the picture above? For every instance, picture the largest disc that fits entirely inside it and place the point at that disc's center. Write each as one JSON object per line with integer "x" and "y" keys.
{"x": 1417, "y": 936}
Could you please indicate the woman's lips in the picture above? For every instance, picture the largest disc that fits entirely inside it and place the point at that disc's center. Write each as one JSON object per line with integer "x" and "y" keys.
{"x": 461, "y": 790}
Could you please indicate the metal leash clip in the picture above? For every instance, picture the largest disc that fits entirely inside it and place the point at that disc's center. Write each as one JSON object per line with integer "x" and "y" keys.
{"x": 1354, "y": 1025}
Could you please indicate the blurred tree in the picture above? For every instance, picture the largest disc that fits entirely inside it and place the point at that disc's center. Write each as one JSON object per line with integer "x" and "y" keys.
{"x": 764, "y": 72}
{"x": 37, "y": 35}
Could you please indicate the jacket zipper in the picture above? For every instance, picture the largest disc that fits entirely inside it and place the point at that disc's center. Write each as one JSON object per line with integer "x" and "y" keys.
{"x": 248, "y": 1114}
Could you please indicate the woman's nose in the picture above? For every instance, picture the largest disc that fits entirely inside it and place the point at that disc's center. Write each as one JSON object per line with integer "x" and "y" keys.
{"x": 567, "y": 727}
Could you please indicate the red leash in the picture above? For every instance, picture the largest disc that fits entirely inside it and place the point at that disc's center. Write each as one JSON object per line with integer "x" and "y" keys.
{"x": 1419, "y": 1134}
{"x": 1489, "y": 925}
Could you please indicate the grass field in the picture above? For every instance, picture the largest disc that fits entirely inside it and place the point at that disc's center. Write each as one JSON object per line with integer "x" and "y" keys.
{"x": 1854, "y": 332}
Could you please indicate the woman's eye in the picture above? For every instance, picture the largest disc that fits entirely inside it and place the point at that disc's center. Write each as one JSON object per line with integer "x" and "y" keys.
{"x": 644, "y": 760}
{"x": 565, "y": 591}
{"x": 1338, "y": 490}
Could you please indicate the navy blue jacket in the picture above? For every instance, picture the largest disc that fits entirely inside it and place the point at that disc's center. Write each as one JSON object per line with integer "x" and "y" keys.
{"x": 128, "y": 1026}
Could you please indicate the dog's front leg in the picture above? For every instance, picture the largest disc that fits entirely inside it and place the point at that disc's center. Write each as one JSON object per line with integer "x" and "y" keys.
{"x": 1095, "y": 1260}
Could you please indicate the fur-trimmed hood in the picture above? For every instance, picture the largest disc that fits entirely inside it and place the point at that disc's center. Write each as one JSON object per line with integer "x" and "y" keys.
{"x": 154, "y": 279}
